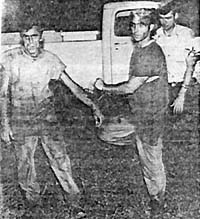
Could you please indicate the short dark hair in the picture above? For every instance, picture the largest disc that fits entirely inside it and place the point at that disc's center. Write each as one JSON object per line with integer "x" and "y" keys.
{"x": 148, "y": 17}
{"x": 25, "y": 28}
{"x": 171, "y": 6}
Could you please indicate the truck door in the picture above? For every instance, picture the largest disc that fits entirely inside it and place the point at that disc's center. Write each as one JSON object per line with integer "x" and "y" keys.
{"x": 121, "y": 47}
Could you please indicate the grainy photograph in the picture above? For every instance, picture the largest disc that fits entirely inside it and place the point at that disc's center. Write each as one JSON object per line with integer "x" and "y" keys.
{"x": 99, "y": 109}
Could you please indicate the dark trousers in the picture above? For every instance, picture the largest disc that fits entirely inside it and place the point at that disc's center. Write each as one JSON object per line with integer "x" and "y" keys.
{"x": 184, "y": 126}
{"x": 173, "y": 93}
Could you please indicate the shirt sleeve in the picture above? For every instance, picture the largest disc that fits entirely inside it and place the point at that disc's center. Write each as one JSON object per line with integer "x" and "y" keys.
{"x": 187, "y": 36}
{"x": 159, "y": 66}
{"x": 10, "y": 61}
{"x": 5, "y": 72}
{"x": 57, "y": 67}
{"x": 6, "y": 63}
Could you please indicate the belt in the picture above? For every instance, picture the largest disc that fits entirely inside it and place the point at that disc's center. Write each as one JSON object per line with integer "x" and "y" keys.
{"x": 173, "y": 84}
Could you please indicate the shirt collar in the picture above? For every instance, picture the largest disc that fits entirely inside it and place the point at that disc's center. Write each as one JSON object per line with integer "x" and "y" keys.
{"x": 148, "y": 43}
{"x": 173, "y": 33}
{"x": 40, "y": 55}
{"x": 145, "y": 45}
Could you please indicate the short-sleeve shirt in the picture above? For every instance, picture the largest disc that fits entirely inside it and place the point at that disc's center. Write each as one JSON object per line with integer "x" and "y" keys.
{"x": 29, "y": 78}
{"x": 175, "y": 48}
{"x": 149, "y": 102}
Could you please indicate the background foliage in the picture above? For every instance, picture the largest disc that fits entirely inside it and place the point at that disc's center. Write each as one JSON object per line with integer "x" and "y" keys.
{"x": 73, "y": 15}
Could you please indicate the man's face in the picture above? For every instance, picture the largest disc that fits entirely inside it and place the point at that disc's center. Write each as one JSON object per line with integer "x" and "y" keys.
{"x": 167, "y": 21}
{"x": 140, "y": 29}
{"x": 31, "y": 39}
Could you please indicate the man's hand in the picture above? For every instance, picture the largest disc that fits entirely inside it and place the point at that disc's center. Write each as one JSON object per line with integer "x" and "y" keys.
{"x": 192, "y": 58}
{"x": 6, "y": 134}
{"x": 178, "y": 104}
{"x": 98, "y": 116}
{"x": 99, "y": 84}
{"x": 191, "y": 61}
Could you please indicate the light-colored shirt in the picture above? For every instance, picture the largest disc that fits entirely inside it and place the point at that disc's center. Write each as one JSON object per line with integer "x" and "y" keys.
{"x": 29, "y": 77}
{"x": 175, "y": 47}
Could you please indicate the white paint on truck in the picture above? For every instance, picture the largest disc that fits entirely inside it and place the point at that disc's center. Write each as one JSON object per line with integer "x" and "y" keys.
{"x": 80, "y": 51}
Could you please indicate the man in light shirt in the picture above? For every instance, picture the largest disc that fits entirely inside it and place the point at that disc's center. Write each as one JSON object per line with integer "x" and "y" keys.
{"x": 175, "y": 40}
{"x": 25, "y": 85}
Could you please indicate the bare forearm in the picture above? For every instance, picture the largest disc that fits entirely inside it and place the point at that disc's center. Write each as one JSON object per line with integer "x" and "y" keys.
{"x": 126, "y": 87}
{"x": 191, "y": 61}
{"x": 4, "y": 111}
{"x": 4, "y": 100}
{"x": 78, "y": 91}
{"x": 187, "y": 79}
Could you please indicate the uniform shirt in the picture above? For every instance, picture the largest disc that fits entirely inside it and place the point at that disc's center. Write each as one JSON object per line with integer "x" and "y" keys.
{"x": 174, "y": 47}
{"x": 29, "y": 77}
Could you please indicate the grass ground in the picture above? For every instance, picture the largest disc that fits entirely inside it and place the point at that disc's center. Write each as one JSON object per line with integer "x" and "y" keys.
{"x": 110, "y": 177}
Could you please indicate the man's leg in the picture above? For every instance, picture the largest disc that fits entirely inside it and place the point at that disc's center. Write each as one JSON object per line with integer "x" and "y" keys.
{"x": 26, "y": 168}
{"x": 183, "y": 126}
{"x": 1, "y": 185}
{"x": 60, "y": 163}
{"x": 153, "y": 169}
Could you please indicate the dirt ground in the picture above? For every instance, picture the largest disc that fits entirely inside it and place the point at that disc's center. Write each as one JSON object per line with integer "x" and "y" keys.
{"x": 110, "y": 177}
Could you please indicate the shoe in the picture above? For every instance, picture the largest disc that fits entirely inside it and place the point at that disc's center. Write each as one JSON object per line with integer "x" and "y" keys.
{"x": 81, "y": 215}
{"x": 156, "y": 206}
{"x": 77, "y": 212}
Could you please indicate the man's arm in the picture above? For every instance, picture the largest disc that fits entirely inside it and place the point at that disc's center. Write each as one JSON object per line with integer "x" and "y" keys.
{"x": 191, "y": 60}
{"x": 81, "y": 94}
{"x": 6, "y": 133}
{"x": 127, "y": 87}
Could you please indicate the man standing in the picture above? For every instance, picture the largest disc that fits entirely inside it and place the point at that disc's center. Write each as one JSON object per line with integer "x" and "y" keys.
{"x": 27, "y": 72}
{"x": 175, "y": 40}
{"x": 148, "y": 98}
{"x": 147, "y": 90}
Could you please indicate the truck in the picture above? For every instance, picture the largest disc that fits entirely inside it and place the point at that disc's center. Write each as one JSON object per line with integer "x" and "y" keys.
{"x": 90, "y": 54}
